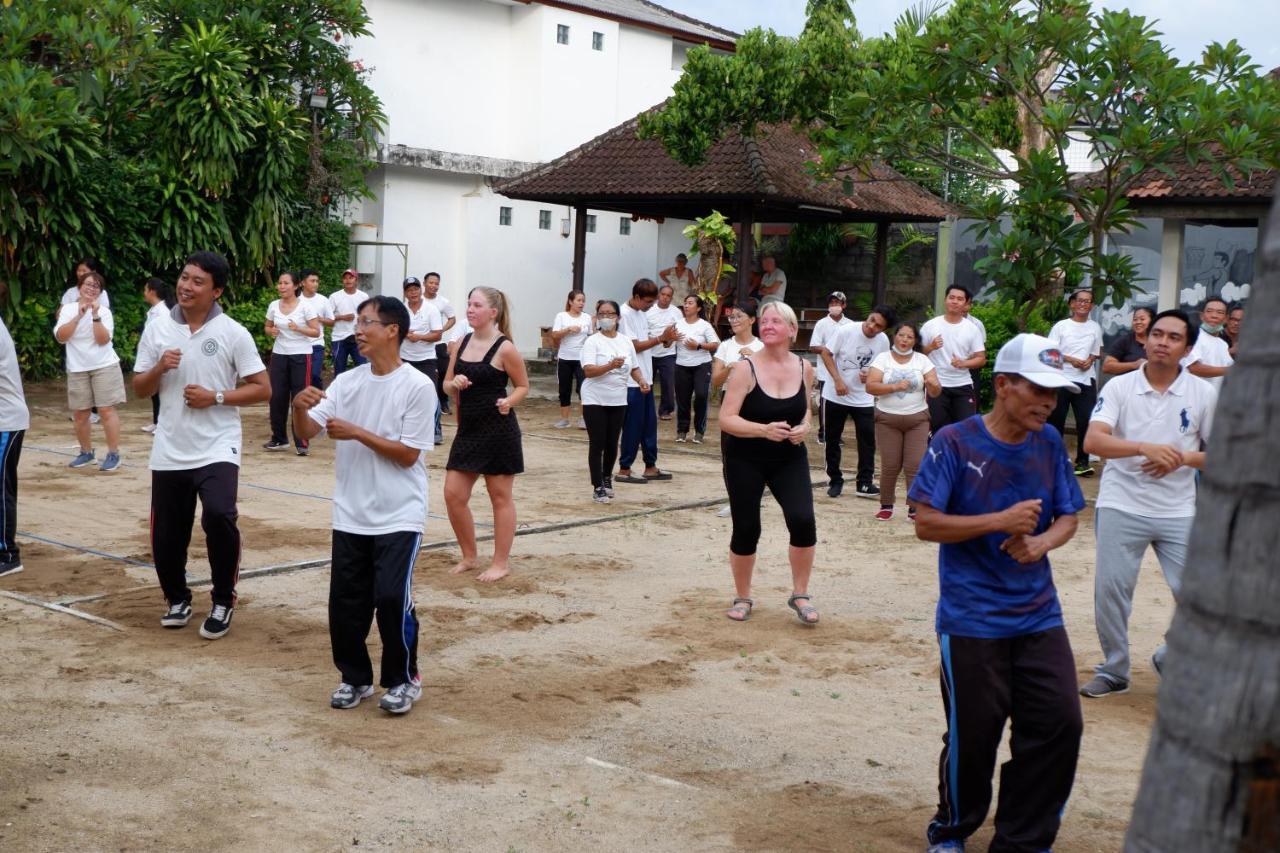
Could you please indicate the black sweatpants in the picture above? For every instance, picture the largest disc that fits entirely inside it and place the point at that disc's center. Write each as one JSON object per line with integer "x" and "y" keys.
{"x": 155, "y": 408}
{"x": 568, "y": 374}
{"x": 442, "y": 362}
{"x": 429, "y": 368}
{"x": 664, "y": 380}
{"x": 951, "y": 406}
{"x": 822, "y": 410}
{"x": 1030, "y": 680}
{"x": 604, "y": 428}
{"x": 788, "y": 480}
{"x": 289, "y": 374}
{"x": 692, "y": 383}
{"x": 10, "y": 451}
{"x": 1081, "y": 405}
{"x": 373, "y": 576}
{"x": 173, "y": 512}
{"x": 864, "y": 428}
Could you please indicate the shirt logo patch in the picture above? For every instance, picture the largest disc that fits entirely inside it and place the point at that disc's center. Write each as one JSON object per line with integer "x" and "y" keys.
{"x": 209, "y": 347}
{"x": 1098, "y": 408}
{"x": 1051, "y": 357}
{"x": 1185, "y": 417}
{"x": 978, "y": 468}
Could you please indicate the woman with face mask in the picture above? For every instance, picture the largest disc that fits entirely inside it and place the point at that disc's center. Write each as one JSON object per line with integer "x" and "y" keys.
{"x": 899, "y": 380}
{"x": 607, "y": 358}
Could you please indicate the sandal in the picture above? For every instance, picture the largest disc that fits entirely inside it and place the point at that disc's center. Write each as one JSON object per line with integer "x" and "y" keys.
{"x": 661, "y": 475}
{"x": 629, "y": 478}
{"x": 740, "y": 606}
{"x": 805, "y": 611}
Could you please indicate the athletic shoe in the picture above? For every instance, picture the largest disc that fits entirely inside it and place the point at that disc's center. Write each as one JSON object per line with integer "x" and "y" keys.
{"x": 563, "y": 423}
{"x": 218, "y": 623}
{"x": 582, "y": 424}
{"x": 276, "y": 445}
{"x": 681, "y": 437}
{"x": 177, "y": 616}
{"x": 349, "y": 696}
{"x": 911, "y": 514}
{"x": 600, "y": 496}
{"x": 149, "y": 428}
{"x": 95, "y": 418}
{"x": 835, "y": 488}
{"x": 608, "y": 484}
{"x": 85, "y": 458}
{"x": 725, "y": 511}
{"x": 946, "y": 847}
{"x": 10, "y": 568}
{"x": 885, "y": 513}
{"x": 1084, "y": 469}
{"x": 399, "y": 699}
{"x": 111, "y": 463}
{"x": 1100, "y": 686}
{"x": 867, "y": 491}
{"x": 439, "y": 438}
{"x": 698, "y": 438}
{"x": 821, "y": 440}
{"x": 304, "y": 451}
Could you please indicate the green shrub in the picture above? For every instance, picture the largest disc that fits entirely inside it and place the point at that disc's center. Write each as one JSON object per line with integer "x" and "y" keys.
{"x": 322, "y": 244}
{"x": 1001, "y": 321}
{"x": 250, "y": 311}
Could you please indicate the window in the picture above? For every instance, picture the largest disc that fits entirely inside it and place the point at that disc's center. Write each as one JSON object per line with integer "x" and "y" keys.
{"x": 624, "y": 226}
{"x": 544, "y": 220}
{"x": 591, "y": 223}
{"x": 562, "y": 34}
{"x": 504, "y": 216}
{"x": 597, "y": 41}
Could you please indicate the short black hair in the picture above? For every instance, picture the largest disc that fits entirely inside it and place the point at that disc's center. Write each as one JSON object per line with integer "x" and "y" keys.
{"x": 890, "y": 316}
{"x": 89, "y": 261}
{"x": 162, "y": 290}
{"x": 1234, "y": 307}
{"x": 1225, "y": 307}
{"x": 1222, "y": 255}
{"x": 428, "y": 275}
{"x": 390, "y": 310}
{"x": 610, "y": 303}
{"x": 1151, "y": 312}
{"x": 747, "y": 306}
{"x": 212, "y": 263}
{"x": 702, "y": 306}
{"x": 682, "y": 257}
{"x": 968, "y": 294}
{"x": 307, "y": 273}
{"x": 644, "y": 288}
{"x": 1193, "y": 332}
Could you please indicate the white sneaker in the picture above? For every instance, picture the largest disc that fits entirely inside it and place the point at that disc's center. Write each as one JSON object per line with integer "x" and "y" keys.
{"x": 563, "y": 423}
{"x": 400, "y": 699}
{"x": 94, "y": 418}
{"x": 150, "y": 429}
{"x": 725, "y": 511}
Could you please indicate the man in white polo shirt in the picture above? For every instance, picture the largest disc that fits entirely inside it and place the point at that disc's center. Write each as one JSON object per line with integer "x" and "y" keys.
{"x": 431, "y": 294}
{"x": 1080, "y": 340}
{"x": 194, "y": 359}
{"x": 823, "y": 331}
{"x": 382, "y": 415}
{"x": 847, "y": 356}
{"x": 324, "y": 313}
{"x": 955, "y": 346}
{"x": 1211, "y": 358}
{"x": 1151, "y": 425}
{"x": 346, "y": 304}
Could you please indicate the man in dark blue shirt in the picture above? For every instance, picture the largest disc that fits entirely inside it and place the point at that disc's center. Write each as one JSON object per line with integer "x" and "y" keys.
{"x": 998, "y": 493}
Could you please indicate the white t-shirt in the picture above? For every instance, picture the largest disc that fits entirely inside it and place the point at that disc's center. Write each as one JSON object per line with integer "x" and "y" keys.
{"x": 731, "y": 352}
{"x": 699, "y": 330}
{"x": 903, "y": 402}
{"x": 959, "y": 340}
{"x": 458, "y": 331}
{"x": 373, "y": 494}
{"x": 1078, "y": 340}
{"x": 1213, "y": 352}
{"x": 659, "y": 320}
{"x": 823, "y": 331}
{"x": 609, "y": 389}
{"x": 83, "y": 351}
{"x": 14, "y": 414}
{"x": 1182, "y": 417}
{"x": 635, "y": 325}
{"x": 981, "y": 328}
{"x": 155, "y": 312}
{"x": 571, "y": 344}
{"x": 324, "y": 310}
{"x": 852, "y": 351}
{"x": 445, "y": 307}
{"x": 289, "y": 342}
{"x": 421, "y": 322}
{"x": 72, "y": 294}
{"x": 346, "y": 303}
{"x": 217, "y": 355}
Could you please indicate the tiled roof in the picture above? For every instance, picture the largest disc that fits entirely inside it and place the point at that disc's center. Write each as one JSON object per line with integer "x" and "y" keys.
{"x": 618, "y": 171}
{"x": 650, "y": 15}
{"x": 1195, "y": 183}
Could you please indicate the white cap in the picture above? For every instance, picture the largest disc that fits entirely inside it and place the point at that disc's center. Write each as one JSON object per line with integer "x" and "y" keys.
{"x": 1036, "y": 359}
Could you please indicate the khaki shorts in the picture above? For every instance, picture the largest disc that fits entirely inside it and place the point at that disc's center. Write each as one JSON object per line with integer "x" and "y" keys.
{"x": 88, "y": 388}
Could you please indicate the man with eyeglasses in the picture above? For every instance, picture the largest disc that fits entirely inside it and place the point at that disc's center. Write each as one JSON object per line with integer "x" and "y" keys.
{"x": 1080, "y": 340}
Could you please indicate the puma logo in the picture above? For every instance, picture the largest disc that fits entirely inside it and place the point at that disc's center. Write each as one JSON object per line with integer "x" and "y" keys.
{"x": 978, "y": 468}
{"x": 935, "y": 454}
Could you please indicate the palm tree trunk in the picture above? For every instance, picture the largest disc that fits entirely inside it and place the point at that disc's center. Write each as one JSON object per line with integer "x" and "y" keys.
{"x": 1212, "y": 775}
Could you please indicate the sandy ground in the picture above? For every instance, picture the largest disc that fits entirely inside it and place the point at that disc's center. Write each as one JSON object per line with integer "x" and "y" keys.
{"x": 596, "y": 699}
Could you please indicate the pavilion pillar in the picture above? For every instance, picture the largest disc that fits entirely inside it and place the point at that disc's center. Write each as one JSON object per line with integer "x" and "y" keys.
{"x": 579, "y": 247}
{"x": 746, "y": 252}
{"x": 882, "y": 257}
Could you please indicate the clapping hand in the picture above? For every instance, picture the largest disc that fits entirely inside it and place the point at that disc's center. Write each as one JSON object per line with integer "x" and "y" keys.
{"x": 777, "y": 431}
{"x": 1025, "y": 549}
{"x": 1022, "y": 518}
{"x": 171, "y": 359}
{"x": 308, "y": 397}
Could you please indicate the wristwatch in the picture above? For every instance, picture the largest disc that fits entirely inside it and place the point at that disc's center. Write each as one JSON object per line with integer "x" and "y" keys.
{"x": 218, "y": 398}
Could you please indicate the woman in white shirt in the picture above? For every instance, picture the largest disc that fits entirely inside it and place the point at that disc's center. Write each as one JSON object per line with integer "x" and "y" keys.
{"x": 159, "y": 296}
{"x": 294, "y": 325}
{"x": 740, "y": 345}
{"x": 899, "y": 380}
{"x": 93, "y": 370}
{"x": 697, "y": 342}
{"x": 570, "y": 331}
{"x": 607, "y": 359}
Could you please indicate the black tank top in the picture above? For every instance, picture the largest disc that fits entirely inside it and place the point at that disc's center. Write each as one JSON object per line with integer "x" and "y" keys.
{"x": 760, "y": 408}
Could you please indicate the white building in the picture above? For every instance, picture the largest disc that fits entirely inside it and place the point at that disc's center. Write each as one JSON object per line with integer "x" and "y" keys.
{"x": 480, "y": 89}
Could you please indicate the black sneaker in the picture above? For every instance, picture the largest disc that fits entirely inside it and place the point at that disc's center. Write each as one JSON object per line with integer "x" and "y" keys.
{"x": 835, "y": 488}
{"x": 608, "y": 485}
{"x": 276, "y": 445}
{"x": 698, "y": 438}
{"x": 218, "y": 623}
{"x": 177, "y": 616}
{"x": 867, "y": 491}
{"x": 349, "y": 695}
{"x": 10, "y": 568}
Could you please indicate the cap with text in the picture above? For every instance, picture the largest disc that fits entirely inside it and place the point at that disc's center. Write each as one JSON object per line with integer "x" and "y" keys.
{"x": 1036, "y": 359}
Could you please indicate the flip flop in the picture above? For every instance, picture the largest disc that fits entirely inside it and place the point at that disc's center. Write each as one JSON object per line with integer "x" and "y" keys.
{"x": 803, "y": 612}
{"x": 661, "y": 475}
{"x": 743, "y": 606}
{"x": 629, "y": 478}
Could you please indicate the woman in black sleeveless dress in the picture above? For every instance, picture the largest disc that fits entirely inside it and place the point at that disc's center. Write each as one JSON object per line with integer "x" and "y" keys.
{"x": 763, "y": 423}
{"x": 487, "y": 442}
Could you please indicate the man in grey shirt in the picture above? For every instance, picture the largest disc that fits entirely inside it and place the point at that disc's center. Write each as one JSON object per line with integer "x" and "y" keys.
{"x": 773, "y": 284}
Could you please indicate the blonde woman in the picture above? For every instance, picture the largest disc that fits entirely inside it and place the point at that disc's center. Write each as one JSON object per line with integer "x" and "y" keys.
{"x": 488, "y": 439}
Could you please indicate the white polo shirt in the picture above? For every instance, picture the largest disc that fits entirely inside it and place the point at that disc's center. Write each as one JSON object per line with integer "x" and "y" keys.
{"x": 215, "y": 357}
{"x": 83, "y": 350}
{"x": 853, "y": 352}
{"x": 1182, "y": 417}
{"x": 1212, "y": 351}
{"x": 659, "y": 320}
{"x": 373, "y": 494}
{"x": 823, "y": 331}
{"x": 959, "y": 340}
{"x": 635, "y": 325}
{"x": 421, "y": 322}
{"x": 346, "y": 303}
{"x": 1078, "y": 340}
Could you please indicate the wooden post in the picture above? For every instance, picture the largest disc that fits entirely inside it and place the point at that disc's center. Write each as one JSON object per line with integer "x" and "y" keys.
{"x": 746, "y": 253}
{"x": 882, "y": 256}
{"x": 579, "y": 247}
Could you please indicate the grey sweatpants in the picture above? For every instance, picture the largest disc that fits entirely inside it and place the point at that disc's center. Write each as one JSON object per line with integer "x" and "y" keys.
{"x": 1122, "y": 539}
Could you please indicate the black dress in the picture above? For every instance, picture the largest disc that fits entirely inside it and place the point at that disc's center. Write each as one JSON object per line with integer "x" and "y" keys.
{"x": 487, "y": 442}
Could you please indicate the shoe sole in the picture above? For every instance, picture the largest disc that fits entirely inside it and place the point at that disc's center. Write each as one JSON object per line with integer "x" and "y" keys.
{"x": 174, "y": 623}
{"x": 12, "y": 570}
{"x": 406, "y": 709}
{"x": 210, "y": 635}
{"x": 1115, "y": 691}
{"x": 276, "y": 449}
{"x": 111, "y": 470}
{"x": 359, "y": 697}
{"x": 867, "y": 496}
{"x": 81, "y": 465}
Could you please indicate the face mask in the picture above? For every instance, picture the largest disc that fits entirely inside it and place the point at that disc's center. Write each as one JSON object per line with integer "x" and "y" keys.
{"x": 607, "y": 324}
{"x": 835, "y": 311}
{"x": 902, "y": 351}
{"x": 1212, "y": 329}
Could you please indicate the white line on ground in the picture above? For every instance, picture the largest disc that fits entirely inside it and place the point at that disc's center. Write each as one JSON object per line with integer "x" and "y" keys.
{"x": 652, "y": 777}
{"x": 58, "y": 608}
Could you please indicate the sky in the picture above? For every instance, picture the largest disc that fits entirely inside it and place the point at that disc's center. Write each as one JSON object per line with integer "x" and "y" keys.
{"x": 1187, "y": 25}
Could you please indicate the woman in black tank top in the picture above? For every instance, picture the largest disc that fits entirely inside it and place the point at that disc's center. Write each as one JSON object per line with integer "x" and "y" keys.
{"x": 763, "y": 424}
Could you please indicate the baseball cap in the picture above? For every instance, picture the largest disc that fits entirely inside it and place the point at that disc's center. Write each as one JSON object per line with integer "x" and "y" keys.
{"x": 350, "y": 271}
{"x": 412, "y": 281}
{"x": 837, "y": 295}
{"x": 1036, "y": 359}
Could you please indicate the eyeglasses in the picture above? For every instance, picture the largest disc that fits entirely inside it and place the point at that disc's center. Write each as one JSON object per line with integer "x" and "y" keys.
{"x": 364, "y": 323}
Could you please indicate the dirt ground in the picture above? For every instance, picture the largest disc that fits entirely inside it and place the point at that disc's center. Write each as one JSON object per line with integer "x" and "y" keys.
{"x": 598, "y": 698}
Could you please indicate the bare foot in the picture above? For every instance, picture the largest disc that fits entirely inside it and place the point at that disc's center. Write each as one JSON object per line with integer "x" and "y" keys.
{"x": 493, "y": 574}
{"x": 464, "y": 565}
